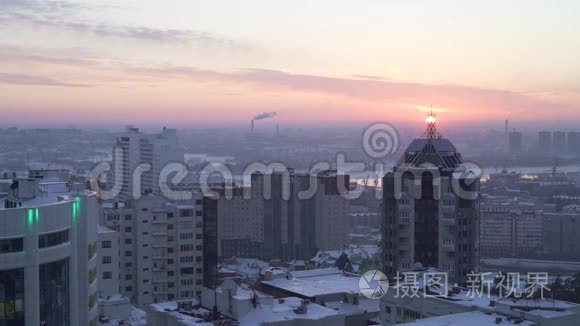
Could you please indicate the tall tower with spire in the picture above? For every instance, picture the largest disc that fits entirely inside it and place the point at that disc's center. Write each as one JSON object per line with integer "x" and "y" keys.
{"x": 431, "y": 209}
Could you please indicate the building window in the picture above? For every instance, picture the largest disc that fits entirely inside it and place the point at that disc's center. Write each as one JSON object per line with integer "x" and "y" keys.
{"x": 54, "y": 292}
{"x": 12, "y": 307}
{"x": 127, "y": 229}
{"x": 186, "y": 212}
{"x": 52, "y": 239}
{"x": 107, "y": 275}
{"x": 106, "y": 244}
{"x": 187, "y": 247}
{"x": 187, "y": 270}
{"x": 185, "y": 236}
{"x": 128, "y": 277}
{"x": 107, "y": 260}
{"x": 11, "y": 245}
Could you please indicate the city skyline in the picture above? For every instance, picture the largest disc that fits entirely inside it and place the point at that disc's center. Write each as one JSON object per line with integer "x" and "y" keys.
{"x": 145, "y": 62}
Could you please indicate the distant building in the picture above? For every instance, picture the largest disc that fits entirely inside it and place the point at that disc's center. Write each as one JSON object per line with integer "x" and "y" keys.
{"x": 508, "y": 233}
{"x": 559, "y": 142}
{"x": 545, "y": 142}
{"x": 574, "y": 142}
{"x": 435, "y": 223}
{"x": 138, "y": 148}
{"x": 515, "y": 142}
{"x": 561, "y": 232}
{"x": 48, "y": 255}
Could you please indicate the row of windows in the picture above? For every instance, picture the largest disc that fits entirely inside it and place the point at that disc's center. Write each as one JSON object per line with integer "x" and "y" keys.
{"x": 185, "y": 236}
{"x": 11, "y": 245}
{"x": 52, "y": 239}
{"x": 44, "y": 241}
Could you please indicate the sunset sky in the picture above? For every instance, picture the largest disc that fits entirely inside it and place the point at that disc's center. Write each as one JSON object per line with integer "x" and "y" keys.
{"x": 186, "y": 61}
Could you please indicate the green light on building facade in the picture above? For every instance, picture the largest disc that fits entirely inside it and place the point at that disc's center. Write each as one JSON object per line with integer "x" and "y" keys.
{"x": 36, "y": 215}
{"x": 30, "y": 215}
{"x": 76, "y": 207}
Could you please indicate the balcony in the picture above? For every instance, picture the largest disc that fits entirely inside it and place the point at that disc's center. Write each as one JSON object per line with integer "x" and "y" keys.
{"x": 448, "y": 221}
{"x": 448, "y": 245}
{"x": 404, "y": 220}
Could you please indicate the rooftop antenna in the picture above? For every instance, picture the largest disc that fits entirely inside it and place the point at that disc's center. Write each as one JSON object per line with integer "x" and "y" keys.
{"x": 431, "y": 121}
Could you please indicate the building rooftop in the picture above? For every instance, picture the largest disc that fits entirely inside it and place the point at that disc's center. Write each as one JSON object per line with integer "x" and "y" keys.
{"x": 185, "y": 316}
{"x": 312, "y": 283}
{"x": 286, "y": 309}
{"x": 104, "y": 229}
{"x": 473, "y": 318}
{"x": 47, "y": 193}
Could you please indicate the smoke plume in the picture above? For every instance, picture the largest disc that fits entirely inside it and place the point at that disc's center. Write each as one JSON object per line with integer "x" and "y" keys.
{"x": 265, "y": 115}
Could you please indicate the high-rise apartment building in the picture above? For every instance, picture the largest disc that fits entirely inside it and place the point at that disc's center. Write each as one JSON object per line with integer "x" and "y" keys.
{"x": 48, "y": 257}
{"x": 161, "y": 248}
{"x": 559, "y": 142}
{"x": 431, "y": 210}
{"x": 150, "y": 151}
{"x": 509, "y": 233}
{"x": 515, "y": 142}
{"x": 545, "y": 142}
{"x": 574, "y": 142}
{"x": 276, "y": 222}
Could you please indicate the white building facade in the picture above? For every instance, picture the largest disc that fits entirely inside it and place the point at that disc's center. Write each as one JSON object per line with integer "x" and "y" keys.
{"x": 142, "y": 156}
{"x": 160, "y": 246}
{"x": 48, "y": 258}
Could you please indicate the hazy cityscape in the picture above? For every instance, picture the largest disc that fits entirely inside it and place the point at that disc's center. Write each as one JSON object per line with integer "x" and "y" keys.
{"x": 320, "y": 164}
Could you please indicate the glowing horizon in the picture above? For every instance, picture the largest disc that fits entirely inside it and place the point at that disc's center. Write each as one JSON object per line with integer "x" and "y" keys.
{"x": 336, "y": 61}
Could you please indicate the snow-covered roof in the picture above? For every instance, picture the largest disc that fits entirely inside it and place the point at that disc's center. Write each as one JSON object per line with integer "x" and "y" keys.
{"x": 182, "y": 316}
{"x": 312, "y": 285}
{"x": 285, "y": 309}
{"x": 473, "y": 318}
{"x": 104, "y": 229}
